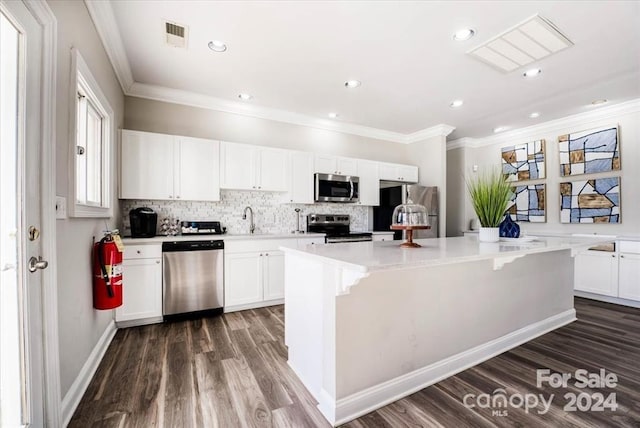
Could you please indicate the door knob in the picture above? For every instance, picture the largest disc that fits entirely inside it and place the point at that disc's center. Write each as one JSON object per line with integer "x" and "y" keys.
{"x": 35, "y": 264}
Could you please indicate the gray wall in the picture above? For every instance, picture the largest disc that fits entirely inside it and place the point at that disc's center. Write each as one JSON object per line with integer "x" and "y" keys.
{"x": 80, "y": 326}
{"x": 488, "y": 156}
{"x": 168, "y": 118}
{"x": 456, "y": 187}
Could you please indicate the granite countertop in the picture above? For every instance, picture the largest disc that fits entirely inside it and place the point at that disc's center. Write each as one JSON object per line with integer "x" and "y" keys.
{"x": 372, "y": 256}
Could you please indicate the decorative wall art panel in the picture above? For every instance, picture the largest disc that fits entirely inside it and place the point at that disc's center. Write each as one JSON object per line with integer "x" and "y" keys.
{"x": 524, "y": 161}
{"x": 590, "y": 201}
{"x": 528, "y": 203}
{"x": 589, "y": 152}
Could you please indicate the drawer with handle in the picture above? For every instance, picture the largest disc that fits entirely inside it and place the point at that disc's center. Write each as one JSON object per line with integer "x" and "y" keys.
{"x": 146, "y": 251}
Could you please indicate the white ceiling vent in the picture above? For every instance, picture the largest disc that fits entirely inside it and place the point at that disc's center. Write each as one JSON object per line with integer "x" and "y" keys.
{"x": 175, "y": 34}
{"x": 529, "y": 41}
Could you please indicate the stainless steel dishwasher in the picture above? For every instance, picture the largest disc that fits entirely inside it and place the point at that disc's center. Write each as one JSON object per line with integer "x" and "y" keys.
{"x": 192, "y": 278}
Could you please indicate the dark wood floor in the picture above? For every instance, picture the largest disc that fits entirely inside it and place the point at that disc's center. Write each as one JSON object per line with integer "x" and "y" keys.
{"x": 231, "y": 371}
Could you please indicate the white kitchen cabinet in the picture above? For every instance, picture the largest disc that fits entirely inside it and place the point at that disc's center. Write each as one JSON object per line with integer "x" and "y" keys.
{"x": 384, "y": 236}
{"x": 629, "y": 270}
{"x": 146, "y": 168}
{"x": 398, "y": 172}
{"x": 273, "y": 265}
{"x": 198, "y": 169}
{"x": 168, "y": 167}
{"x": 141, "y": 286}
{"x": 369, "y": 184}
{"x": 596, "y": 272}
{"x": 242, "y": 278}
{"x": 247, "y": 167}
{"x": 254, "y": 273}
{"x": 300, "y": 178}
{"x": 326, "y": 164}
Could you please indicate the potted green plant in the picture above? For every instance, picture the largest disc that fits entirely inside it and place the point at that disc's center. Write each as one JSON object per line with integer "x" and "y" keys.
{"x": 490, "y": 194}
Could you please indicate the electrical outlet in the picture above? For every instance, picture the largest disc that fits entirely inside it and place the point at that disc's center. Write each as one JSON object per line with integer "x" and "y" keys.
{"x": 61, "y": 207}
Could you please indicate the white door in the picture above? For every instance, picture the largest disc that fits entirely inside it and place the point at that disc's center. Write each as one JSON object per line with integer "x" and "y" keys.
{"x": 273, "y": 170}
{"x": 326, "y": 164}
{"x": 388, "y": 171}
{"x": 146, "y": 169}
{"x": 242, "y": 278}
{"x": 197, "y": 175}
{"x": 347, "y": 166}
{"x": 369, "y": 184}
{"x": 142, "y": 289}
{"x": 596, "y": 272}
{"x": 274, "y": 275}
{"x": 408, "y": 174}
{"x": 237, "y": 166}
{"x": 301, "y": 178}
{"x": 21, "y": 335}
{"x": 629, "y": 276}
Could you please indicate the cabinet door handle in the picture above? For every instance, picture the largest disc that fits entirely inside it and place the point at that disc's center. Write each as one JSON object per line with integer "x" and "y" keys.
{"x": 261, "y": 255}
{"x": 267, "y": 254}
{"x": 613, "y": 255}
{"x": 170, "y": 197}
{"x": 157, "y": 262}
{"x": 177, "y": 197}
{"x": 259, "y": 187}
{"x": 622, "y": 257}
{"x": 138, "y": 251}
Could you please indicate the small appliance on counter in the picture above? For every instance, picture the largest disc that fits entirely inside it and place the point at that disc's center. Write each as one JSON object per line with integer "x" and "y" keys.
{"x": 202, "y": 228}
{"x": 336, "y": 228}
{"x": 144, "y": 222}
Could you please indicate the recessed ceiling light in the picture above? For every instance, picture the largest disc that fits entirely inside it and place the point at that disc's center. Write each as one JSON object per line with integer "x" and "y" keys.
{"x": 464, "y": 34}
{"x": 456, "y": 103}
{"x": 352, "y": 84}
{"x": 534, "y": 115}
{"x": 333, "y": 115}
{"x": 245, "y": 97}
{"x": 500, "y": 129}
{"x": 532, "y": 73}
{"x": 598, "y": 102}
{"x": 217, "y": 46}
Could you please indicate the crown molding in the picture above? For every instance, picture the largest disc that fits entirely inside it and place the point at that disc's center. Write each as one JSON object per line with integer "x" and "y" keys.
{"x": 557, "y": 125}
{"x": 105, "y": 22}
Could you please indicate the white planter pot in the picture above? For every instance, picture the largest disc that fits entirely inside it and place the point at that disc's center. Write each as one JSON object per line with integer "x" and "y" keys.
{"x": 489, "y": 234}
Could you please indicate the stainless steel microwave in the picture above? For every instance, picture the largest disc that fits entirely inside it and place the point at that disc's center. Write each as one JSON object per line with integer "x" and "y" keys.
{"x": 336, "y": 188}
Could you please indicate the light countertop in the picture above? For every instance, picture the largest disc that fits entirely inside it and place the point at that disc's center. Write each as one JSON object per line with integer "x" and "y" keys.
{"x": 224, "y": 237}
{"x": 371, "y": 256}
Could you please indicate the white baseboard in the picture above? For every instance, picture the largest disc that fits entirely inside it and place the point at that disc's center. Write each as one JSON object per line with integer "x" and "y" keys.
{"x": 370, "y": 399}
{"x": 253, "y": 305}
{"x": 79, "y": 386}
{"x": 607, "y": 299}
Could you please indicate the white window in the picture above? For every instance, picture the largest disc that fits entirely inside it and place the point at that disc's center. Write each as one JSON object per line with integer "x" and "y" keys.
{"x": 92, "y": 133}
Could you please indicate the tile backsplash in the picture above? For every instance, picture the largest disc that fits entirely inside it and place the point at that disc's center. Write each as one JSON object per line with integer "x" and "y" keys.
{"x": 270, "y": 215}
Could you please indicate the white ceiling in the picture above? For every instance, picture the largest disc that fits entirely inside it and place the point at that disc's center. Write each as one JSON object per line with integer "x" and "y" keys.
{"x": 296, "y": 56}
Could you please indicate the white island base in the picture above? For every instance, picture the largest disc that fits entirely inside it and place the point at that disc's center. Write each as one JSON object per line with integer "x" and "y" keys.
{"x": 364, "y": 334}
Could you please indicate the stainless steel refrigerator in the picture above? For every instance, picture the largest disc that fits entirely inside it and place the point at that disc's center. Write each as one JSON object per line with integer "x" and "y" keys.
{"x": 394, "y": 194}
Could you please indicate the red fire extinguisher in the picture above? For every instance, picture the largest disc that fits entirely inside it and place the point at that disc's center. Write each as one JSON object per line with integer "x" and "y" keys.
{"x": 107, "y": 272}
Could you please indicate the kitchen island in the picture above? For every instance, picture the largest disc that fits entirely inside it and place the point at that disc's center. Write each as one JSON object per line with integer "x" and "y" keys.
{"x": 369, "y": 323}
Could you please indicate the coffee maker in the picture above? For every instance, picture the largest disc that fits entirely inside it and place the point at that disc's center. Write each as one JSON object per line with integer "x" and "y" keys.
{"x": 144, "y": 222}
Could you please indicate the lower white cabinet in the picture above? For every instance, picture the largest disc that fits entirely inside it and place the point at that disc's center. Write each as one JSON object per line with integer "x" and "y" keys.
{"x": 629, "y": 270}
{"x": 141, "y": 291}
{"x": 596, "y": 272}
{"x": 273, "y": 275}
{"x": 614, "y": 274}
{"x": 242, "y": 279}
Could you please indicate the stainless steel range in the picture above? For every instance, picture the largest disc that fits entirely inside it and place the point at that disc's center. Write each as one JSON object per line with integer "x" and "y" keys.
{"x": 336, "y": 228}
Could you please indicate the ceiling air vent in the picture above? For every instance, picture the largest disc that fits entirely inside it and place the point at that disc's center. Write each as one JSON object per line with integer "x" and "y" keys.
{"x": 175, "y": 34}
{"x": 529, "y": 41}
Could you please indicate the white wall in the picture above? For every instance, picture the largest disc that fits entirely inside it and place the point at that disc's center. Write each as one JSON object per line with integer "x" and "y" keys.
{"x": 79, "y": 325}
{"x": 486, "y": 154}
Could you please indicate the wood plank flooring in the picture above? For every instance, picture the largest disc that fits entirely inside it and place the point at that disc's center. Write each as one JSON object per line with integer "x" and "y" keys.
{"x": 231, "y": 371}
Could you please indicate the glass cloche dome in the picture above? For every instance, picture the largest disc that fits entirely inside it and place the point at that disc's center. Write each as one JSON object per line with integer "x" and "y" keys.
{"x": 410, "y": 217}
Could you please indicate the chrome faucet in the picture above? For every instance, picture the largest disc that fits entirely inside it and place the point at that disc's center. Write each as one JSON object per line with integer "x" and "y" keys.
{"x": 252, "y": 226}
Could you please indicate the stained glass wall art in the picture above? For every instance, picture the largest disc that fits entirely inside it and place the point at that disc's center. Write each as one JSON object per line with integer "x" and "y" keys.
{"x": 524, "y": 161}
{"x": 590, "y": 201}
{"x": 589, "y": 152}
{"x": 529, "y": 203}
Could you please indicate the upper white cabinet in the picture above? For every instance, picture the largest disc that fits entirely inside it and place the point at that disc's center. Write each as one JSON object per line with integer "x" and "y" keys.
{"x": 326, "y": 164}
{"x": 246, "y": 167}
{"x": 397, "y": 172}
{"x": 369, "y": 184}
{"x": 160, "y": 166}
{"x": 300, "y": 178}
